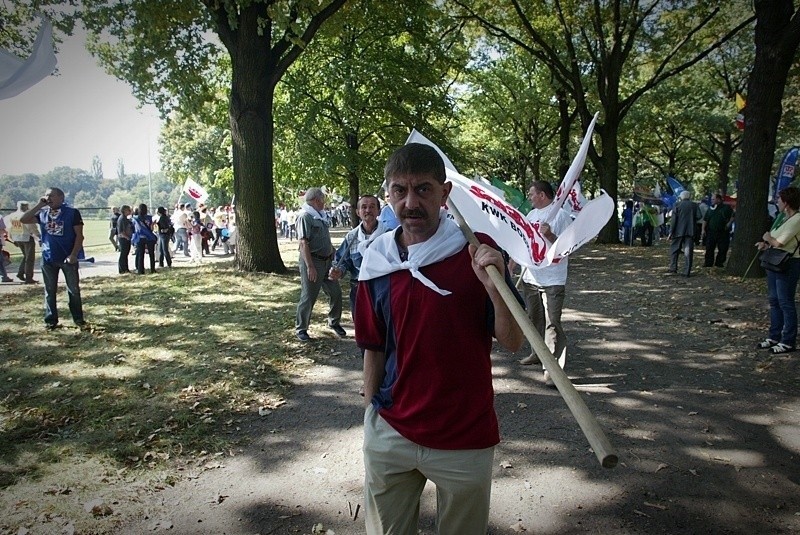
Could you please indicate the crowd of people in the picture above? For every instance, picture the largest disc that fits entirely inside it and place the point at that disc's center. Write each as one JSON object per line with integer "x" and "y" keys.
{"x": 286, "y": 218}
{"x": 193, "y": 233}
{"x": 408, "y": 267}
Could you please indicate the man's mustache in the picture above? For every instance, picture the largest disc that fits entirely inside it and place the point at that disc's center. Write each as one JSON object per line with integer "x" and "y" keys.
{"x": 412, "y": 213}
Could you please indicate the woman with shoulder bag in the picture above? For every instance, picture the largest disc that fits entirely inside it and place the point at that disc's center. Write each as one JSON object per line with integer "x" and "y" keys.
{"x": 782, "y": 285}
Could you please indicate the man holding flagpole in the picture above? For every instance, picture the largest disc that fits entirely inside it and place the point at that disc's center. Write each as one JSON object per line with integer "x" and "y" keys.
{"x": 544, "y": 287}
{"x": 426, "y": 311}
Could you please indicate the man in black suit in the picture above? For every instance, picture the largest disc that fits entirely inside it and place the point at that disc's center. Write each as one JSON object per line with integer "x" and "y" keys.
{"x": 685, "y": 215}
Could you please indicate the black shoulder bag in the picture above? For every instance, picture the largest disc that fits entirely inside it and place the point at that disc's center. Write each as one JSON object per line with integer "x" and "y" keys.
{"x": 777, "y": 260}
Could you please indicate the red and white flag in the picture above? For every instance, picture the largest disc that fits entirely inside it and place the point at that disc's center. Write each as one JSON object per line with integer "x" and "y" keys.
{"x": 195, "y": 190}
{"x": 565, "y": 189}
{"x": 487, "y": 213}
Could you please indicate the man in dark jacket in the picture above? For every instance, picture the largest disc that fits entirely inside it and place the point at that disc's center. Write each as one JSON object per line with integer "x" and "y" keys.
{"x": 685, "y": 216}
{"x": 717, "y": 231}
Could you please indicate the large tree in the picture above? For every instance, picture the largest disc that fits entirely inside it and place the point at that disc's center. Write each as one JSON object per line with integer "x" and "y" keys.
{"x": 163, "y": 50}
{"x": 777, "y": 37}
{"x": 607, "y": 54}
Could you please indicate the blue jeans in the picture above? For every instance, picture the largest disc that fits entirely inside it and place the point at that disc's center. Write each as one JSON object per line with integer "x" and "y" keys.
{"x": 72, "y": 279}
{"x": 781, "y": 288}
{"x": 163, "y": 247}
{"x": 3, "y": 272}
{"x": 182, "y": 241}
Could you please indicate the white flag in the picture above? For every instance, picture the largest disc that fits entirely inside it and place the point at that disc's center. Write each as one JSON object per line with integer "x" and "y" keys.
{"x": 487, "y": 213}
{"x": 17, "y": 75}
{"x": 573, "y": 173}
{"x": 195, "y": 190}
{"x": 575, "y": 200}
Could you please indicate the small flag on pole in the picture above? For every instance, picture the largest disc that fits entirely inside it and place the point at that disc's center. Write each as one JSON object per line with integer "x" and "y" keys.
{"x": 195, "y": 190}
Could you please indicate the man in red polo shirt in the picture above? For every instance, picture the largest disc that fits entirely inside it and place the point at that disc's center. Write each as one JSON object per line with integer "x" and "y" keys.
{"x": 425, "y": 315}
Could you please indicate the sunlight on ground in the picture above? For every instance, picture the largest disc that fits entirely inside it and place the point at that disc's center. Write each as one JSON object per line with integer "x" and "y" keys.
{"x": 590, "y": 318}
{"x": 78, "y": 370}
{"x": 735, "y": 457}
{"x": 219, "y": 298}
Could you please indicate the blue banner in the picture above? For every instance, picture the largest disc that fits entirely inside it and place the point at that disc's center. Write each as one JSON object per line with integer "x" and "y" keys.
{"x": 675, "y": 186}
{"x": 786, "y": 172}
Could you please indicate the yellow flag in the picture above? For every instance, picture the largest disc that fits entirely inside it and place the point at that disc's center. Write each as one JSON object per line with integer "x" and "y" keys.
{"x": 740, "y": 102}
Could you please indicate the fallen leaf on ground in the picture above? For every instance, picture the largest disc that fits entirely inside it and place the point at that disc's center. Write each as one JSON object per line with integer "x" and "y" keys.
{"x": 97, "y": 507}
{"x": 506, "y": 464}
{"x": 518, "y": 527}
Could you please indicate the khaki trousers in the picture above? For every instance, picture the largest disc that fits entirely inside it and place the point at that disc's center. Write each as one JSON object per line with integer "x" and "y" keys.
{"x": 396, "y": 471}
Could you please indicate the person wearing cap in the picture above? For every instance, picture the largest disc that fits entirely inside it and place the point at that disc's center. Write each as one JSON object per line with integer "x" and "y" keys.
{"x": 24, "y": 236}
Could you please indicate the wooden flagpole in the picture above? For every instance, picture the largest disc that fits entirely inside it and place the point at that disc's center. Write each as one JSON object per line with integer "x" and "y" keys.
{"x": 587, "y": 422}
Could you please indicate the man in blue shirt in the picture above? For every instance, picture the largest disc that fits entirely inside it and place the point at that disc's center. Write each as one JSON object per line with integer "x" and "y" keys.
{"x": 62, "y": 242}
{"x": 348, "y": 257}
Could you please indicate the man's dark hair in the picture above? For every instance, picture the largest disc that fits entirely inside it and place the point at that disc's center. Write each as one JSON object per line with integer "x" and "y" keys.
{"x": 544, "y": 187}
{"x": 791, "y": 196}
{"x": 368, "y": 196}
{"x": 415, "y": 159}
{"x": 143, "y": 209}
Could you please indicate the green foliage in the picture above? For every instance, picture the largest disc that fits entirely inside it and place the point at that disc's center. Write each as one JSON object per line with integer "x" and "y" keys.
{"x": 83, "y": 190}
{"x": 372, "y": 74}
{"x": 508, "y": 121}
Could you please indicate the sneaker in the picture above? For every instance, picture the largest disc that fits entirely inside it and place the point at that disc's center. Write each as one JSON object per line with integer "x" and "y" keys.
{"x": 766, "y": 344}
{"x": 530, "y": 359}
{"x": 341, "y": 333}
{"x": 7, "y": 279}
{"x": 303, "y": 336}
{"x": 21, "y": 277}
{"x": 52, "y": 326}
{"x": 780, "y": 348}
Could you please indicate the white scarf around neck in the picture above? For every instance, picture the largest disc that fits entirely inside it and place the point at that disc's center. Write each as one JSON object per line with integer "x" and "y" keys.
{"x": 365, "y": 240}
{"x": 313, "y": 212}
{"x": 383, "y": 256}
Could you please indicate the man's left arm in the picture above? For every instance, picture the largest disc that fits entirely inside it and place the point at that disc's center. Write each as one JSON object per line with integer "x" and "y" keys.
{"x": 76, "y": 247}
{"x": 506, "y": 329}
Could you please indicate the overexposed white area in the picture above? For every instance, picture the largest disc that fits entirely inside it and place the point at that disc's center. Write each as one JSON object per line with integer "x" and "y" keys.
{"x": 67, "y": 119}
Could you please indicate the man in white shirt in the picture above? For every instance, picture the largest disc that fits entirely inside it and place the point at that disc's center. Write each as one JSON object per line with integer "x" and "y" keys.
{"x": 544, "y": 287}
{"x": 180, "y": 219}
{"x": 24, "y": 236}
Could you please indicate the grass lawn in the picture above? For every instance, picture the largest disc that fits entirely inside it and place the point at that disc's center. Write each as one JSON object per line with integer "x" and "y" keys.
{"x": 164, "y": 383}
{"x": 95, "y": 240}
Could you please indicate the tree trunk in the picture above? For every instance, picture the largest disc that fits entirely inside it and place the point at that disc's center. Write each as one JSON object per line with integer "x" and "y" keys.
{"x": 776, "y": 43}
{"x": 725, "y": 163}
{"x": 563, "y": 135}
{"x": 353, "y": 185}
{"x": 252, "y": 130}
{"x": 608, "y": 170}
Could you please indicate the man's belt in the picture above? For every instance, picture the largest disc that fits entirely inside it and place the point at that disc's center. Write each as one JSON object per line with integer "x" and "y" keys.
{"x": 321, "y": 257}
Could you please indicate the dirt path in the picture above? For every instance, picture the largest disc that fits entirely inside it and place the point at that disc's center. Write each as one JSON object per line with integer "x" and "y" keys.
{"x": 706, "y": 428}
